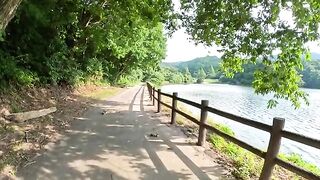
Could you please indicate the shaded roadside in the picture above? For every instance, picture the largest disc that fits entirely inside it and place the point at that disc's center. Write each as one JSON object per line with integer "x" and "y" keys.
{"x": 21, "y": 142}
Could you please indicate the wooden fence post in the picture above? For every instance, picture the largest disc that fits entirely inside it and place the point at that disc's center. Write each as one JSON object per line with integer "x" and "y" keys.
{"x": 174, "y": 107}
{"x": 203, "y": 119}
{"x": 273, "y": 148}
{"x": 159, "y": 100}
{"x": 153, "y": 95}
{"x": 150, "y": 92}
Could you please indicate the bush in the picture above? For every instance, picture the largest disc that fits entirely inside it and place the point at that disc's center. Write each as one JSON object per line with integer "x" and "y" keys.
{"x": 130, "y": 78}
{"x": 199, "y": 81}
{"x": 176, "y": 78}
{"x": 94, "y": 70}
{"x": 63, "y": 70}
{"x": 11, "y": 72}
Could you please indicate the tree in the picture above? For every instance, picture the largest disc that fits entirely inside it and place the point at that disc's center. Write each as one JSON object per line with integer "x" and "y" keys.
{"x": 58, "y": 41}
{"x": 248, "y": 31}
{"x": 69, "y": 42}
{"x": 201, "y": 75}
{"x": 311, "y": 74}
{"x": 7, "y": 12}
{"x": 212, "y": 73}
{"x": 187, "y": 76}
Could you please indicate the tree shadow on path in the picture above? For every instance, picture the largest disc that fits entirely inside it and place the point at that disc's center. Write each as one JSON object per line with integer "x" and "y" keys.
{"x": 116, "y": 145}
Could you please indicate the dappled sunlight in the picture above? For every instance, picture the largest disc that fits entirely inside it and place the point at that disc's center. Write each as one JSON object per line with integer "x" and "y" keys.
{"x": 47, "y": 171}
{"x": 80, "y": 165}
{"x": 120, "y": 125}
{"x": 81, "y": 118}
{"x": 80, "y": 132}
{"x": 118, "y": 145}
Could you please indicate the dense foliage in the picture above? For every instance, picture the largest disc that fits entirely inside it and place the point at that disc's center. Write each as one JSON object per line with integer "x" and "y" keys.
{"x": 71, "y": 42}
{"x": 65, "y": 41}
{"x": 170, "y": 75}
{"x": 248, "y": 31}
{"x": 245, "y": 78}
{"x": 310, "y": 75}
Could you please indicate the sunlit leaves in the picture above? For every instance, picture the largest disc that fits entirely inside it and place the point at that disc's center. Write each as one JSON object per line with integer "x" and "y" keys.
{"x": 74, "y": 39}
{"x": 251, "y": 31}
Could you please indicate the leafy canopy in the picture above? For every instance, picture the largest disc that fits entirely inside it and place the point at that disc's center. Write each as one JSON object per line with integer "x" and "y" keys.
{"x": 75, "y": 41}
{"x": 57, "y": 41}
{"x": 252, "y": 30}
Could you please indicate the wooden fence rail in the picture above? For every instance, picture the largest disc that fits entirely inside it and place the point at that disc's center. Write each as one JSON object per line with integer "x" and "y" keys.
{"x": 276, "y": 133}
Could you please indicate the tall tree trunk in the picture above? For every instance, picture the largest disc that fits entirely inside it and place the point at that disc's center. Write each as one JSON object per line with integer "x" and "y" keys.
{"x": 7, "y": 11}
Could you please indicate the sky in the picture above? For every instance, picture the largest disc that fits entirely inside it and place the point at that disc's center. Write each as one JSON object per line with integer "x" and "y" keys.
{"x": 179, "y": 48}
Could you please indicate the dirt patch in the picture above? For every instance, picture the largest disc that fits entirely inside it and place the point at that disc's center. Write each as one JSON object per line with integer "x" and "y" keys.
{"x": 20, "y": 143}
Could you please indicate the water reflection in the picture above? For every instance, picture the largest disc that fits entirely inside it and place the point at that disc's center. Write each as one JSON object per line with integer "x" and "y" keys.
{"x": 244, "y": 102}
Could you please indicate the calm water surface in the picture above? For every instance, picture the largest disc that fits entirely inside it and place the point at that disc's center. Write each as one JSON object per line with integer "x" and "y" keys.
{"x": 242, "y": 101}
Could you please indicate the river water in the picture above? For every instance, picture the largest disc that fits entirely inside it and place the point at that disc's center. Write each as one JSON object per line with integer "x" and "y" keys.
{"x": 244, "y": 102}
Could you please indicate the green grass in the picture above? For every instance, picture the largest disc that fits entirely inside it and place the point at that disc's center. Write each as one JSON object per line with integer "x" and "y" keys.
{"x": 297, "y": 160}
{"x": 210, "y": 81}
{"x": 247, "y": 165}
{"x": 104, "y": 93}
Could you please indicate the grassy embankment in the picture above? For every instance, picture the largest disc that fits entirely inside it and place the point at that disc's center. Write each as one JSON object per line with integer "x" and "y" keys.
{"x": 210, "y": 81}
{"x": 21, "y": 141}
{"x": 244, "y": 164}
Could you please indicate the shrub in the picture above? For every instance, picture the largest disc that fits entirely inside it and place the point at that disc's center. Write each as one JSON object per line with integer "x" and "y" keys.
{"x": 10, "y": 71}
{"x": 199, "y": 81}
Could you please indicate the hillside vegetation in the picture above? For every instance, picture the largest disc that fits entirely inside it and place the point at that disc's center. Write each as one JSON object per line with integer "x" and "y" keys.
{"x": 195, "y": 64}
{"x": 74, "y": 42}
{"x": 310, "y": 73}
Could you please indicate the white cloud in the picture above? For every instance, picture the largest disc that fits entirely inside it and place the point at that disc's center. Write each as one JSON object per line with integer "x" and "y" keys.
{"x": 179, "y": 48}
{"x": 314, "y": 46}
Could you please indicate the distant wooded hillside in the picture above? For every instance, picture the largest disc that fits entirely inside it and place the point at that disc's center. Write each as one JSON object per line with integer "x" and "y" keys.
{"x": 310, "y": 74}
{"x": 194, "y": 65}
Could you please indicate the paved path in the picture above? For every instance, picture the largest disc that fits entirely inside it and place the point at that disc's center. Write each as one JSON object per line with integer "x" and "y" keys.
{"x": 117, "y": 146}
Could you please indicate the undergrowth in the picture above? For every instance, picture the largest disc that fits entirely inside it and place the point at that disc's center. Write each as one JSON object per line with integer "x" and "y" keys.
{"x": 246, "y": 165}
{"x": 297, "y": 160}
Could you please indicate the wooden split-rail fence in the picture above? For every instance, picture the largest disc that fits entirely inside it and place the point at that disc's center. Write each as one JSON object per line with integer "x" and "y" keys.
{"x": 276, "y": 131}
